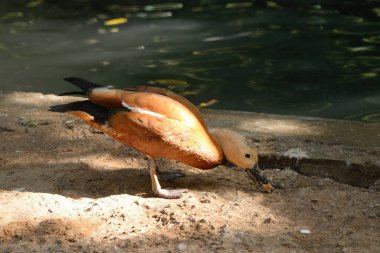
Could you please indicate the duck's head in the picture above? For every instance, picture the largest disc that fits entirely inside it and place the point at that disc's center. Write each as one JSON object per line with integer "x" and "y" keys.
{"x": 238, "y": 151}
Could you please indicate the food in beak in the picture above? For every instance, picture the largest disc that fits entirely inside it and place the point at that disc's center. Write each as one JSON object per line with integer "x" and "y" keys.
{"x": 256, "y": 175}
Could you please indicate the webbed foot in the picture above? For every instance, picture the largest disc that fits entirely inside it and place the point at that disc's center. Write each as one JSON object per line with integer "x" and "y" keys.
{"x": 169, "y": 193}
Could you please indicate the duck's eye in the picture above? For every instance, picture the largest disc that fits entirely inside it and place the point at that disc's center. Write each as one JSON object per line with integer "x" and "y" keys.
{"x": 247, "y": 155}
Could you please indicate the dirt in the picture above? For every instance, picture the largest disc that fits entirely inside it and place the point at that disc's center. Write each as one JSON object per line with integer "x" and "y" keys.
{"x": 65, "y": 187}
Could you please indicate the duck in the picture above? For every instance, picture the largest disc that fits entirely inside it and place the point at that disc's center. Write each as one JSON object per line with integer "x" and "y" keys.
{"x": 161, "y": 124}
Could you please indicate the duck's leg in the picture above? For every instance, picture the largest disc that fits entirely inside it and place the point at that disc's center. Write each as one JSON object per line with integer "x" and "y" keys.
{"x": 156, "y": 187}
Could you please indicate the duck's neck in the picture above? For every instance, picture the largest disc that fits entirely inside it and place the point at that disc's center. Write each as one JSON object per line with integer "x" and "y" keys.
{"x": 229, "y": 141}
{"x": 221, "y": 140}
{"x": 224, "y": 137}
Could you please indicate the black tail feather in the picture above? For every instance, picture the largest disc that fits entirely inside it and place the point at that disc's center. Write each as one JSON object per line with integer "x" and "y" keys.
{"x": 73, "y": 93}
{"x": 84, "y": 85}
{"x": 100, "y": 113}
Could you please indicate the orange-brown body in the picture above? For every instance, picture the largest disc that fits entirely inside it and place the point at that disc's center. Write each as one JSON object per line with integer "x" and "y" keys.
{"x": 165, "y": 125}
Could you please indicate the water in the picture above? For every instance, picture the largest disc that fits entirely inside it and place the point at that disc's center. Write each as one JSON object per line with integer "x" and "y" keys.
{"x": 310, "y": 58}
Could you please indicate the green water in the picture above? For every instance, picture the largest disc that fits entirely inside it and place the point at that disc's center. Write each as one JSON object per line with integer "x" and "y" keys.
{"x": 310, "y": 58}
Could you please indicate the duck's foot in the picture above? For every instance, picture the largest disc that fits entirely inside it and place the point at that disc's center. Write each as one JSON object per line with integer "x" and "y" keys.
{"x": 169, "y": 175}
{"x": 156, "y": 187}
{"x": 169, "y": 194}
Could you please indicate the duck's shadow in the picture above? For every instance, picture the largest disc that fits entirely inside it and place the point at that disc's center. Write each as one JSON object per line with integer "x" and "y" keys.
{"x": 85, "y": 182}
{"x": 77, "y": 180}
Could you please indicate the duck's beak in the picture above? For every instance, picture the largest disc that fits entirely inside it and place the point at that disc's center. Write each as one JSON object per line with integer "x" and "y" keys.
{"x": 256, "y": 175}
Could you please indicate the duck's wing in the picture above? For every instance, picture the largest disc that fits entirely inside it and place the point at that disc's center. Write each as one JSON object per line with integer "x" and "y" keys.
{"x": 153, "y": 100}
{"x": 164, "y": 92}
{"x": 177, "y": 129}
{"x": 149, "y": 100}
{"x": 154, "y": 121}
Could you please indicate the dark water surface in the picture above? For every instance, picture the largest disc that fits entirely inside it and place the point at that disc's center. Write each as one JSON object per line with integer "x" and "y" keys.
{"x": 312, "y": 58}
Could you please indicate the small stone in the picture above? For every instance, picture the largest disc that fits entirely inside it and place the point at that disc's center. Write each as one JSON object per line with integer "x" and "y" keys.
{"x": 321, "y": 184}
{"x": 181, "y": 246}
{"x": 376, "y": 185}
{"x": 267, "y": 220}
{"x": 28, "y": 122}
{"x": 69, "y": 124}
{"x": 205, "y": 201}
{"x": 285, "y": 242}
{"x": 371, "y": 215}
{"x": 305, "y": 231}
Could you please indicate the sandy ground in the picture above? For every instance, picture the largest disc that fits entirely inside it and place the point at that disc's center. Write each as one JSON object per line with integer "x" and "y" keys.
{"x": 67, "y": 188}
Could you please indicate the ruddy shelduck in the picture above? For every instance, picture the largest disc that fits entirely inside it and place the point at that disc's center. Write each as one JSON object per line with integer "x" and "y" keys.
{"x": 162, "y": 124}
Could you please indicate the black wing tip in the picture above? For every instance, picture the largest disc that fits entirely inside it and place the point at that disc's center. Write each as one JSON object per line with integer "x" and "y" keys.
{"x": 80, "y": 93}
{"x": 58, "y": 108}
{"x": 73, "y": 78}
{"x": 81, "y": 83}
{"x": 73, "y": 106}
{"x": 100, "y": 113}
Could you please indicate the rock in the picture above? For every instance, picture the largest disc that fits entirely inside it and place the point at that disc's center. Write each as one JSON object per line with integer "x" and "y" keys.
{"x": 181, "y": 246}
{"x": 305, "y": 231}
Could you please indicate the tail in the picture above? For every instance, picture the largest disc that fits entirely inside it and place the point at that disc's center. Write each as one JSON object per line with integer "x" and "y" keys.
{"x": 99, "y": 113}
{"x": 84, "y": 85}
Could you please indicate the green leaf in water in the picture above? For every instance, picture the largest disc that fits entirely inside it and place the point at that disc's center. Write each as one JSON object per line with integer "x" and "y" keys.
{"x": 238, "y": 5}
{"x": 189, "y": 92}
{"x": 272, "y": 4}
{"x": 115, "y": 21}
{"x": 369, "y": 75}
{"x": 115, "y": 30}
{"x": 274, "y": 27}
{"x": 34, "y": 3}
{"x": 376, "y": 11}
{"x": 316, "y": 7}
{"x": 163, "y": 7}
{"x": 353, "y": 33}
{"x": 294, "y": 32}
{"x": 372, "y": 39}
{"x": 360, "y": 49}
{"x": 11, "y": 15}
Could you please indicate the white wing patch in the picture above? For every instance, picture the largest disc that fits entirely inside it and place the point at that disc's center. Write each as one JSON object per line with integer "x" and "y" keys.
{"x": 143, "y": 111}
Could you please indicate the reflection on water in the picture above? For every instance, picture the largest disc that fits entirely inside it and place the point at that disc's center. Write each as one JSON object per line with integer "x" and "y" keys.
{"x": 303, "y": 57}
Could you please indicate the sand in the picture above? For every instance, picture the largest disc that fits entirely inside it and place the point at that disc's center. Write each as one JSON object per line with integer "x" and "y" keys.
{"x": 65, "y": 187}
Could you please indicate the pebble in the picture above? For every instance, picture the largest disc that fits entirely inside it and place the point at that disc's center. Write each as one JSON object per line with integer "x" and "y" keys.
{"x": 371, "y": 215}
{"x": 267, "y": 220}
{"x": 181, "y": 246}
{"x": 305, "y": 231}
